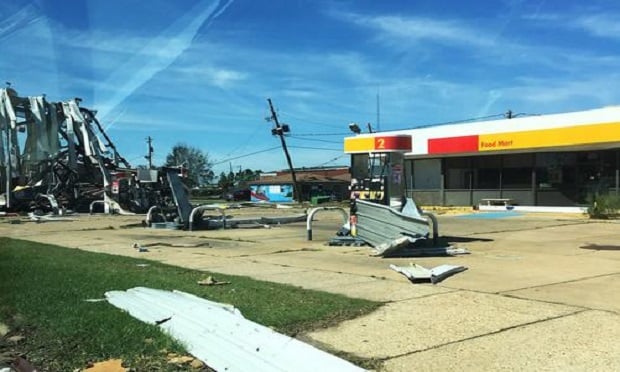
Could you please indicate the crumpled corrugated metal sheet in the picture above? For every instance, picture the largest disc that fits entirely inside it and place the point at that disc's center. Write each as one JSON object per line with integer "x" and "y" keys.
{"x": 220, "y": 336}
{"x": 378, "y": 224}
{"x": 417, "y": 272}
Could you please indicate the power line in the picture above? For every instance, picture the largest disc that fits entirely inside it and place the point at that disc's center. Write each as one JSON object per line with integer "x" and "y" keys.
{"x": 270, "y": 149}
{"x": 314, "y": 139}
{"x": 246, "y": 155}
{"x": 314, "y": 148}
{"x": 245, "y": 143}
{"x": 323, "y": 134}
{"x": 454, "y": 122}
{"x": 305, "y": 120}
{"x": 323, "y": 124}
{"x": 332, "y": 160}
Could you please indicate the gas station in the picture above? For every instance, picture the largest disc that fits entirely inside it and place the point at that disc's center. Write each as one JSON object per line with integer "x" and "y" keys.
{"x": 558, "y": 160}
{"x": 381, "y": 212}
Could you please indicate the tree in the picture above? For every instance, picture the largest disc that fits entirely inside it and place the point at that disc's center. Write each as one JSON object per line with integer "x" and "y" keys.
{"x": 239, "y": 179}
{"x": 248, "y": 175}
{"x": 208, "y": 176}
{"x": 224, "y": 183}
{"x": 194, "y": 160}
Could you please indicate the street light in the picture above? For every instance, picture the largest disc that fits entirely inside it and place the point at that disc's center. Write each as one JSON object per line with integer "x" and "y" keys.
{"x": 355, "y": 128}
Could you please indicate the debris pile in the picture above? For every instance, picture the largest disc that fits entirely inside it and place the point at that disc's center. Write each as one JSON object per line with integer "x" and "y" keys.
{"x": 392, "y": 231}
{"x": 56, "y": 155}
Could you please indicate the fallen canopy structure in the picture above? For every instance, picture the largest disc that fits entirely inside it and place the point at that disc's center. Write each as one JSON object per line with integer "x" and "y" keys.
{"x": 57, "y": 154}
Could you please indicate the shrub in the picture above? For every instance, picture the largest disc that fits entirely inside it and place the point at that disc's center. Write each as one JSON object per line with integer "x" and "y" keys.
{"x": 605, "y": 206}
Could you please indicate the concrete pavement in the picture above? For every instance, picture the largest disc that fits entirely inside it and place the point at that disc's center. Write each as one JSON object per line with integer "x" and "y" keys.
{"x": 533, "y": 298}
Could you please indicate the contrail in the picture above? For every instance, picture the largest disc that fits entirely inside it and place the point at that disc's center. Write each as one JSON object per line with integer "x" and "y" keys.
{"x": 493, "y": 96}
{"x": 22, "y": 19}
{"x": 173, "y": 41}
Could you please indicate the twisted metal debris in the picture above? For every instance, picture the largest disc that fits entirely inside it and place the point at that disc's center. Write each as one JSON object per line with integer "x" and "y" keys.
{"x": 57, "y": 155}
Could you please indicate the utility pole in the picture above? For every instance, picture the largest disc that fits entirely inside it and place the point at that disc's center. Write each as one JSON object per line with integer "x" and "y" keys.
{"x": 9, "y": 171}
{"x": 280, "y": 130}
{"x": 378, "y": 112}
{"x": 149, "y": 155}
{"x": 231, "y": 175}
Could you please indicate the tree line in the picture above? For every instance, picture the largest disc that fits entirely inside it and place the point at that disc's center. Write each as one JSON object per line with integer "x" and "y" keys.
{"x": 200, "y": 169}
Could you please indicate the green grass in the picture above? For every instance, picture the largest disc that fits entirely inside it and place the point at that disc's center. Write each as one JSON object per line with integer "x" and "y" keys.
{"x": 43, "y": 288}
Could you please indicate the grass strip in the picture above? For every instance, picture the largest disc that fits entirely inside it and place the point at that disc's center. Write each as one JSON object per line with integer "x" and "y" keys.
{"x": 43, "y": 289}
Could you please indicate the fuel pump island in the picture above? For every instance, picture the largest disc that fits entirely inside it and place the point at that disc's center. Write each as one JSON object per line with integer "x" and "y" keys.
{"x": 381, "y": 214}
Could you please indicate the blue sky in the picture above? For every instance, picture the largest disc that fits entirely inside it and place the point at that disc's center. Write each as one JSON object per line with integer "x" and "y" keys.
{"x": 200, "y": 71}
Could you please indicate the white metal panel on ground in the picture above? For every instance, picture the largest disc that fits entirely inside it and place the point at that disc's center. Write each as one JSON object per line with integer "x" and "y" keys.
{"x": 220, "y": 336}
{"x": 417, "y": 272}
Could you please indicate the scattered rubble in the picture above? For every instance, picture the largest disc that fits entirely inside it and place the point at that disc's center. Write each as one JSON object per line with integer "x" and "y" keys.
{"x": 139, "y": 247}
{"x": 210, "y": 281}
{"x": 4, "y": 329}
{"x": 112, "y": 365}
{"x": 197, "y": 364}
{"x": 48, "y": 217}
{"x": 346, "y": 241}
{"x": 179, "y": 359}
{"x": 16, "y": 339}
{"x": 417, "y": 273}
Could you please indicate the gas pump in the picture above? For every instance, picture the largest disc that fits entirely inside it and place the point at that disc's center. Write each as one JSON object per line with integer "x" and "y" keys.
{"x": 377, "y": 168}
{"x": 378, "y": 177}
{"x": 381, "y": 214}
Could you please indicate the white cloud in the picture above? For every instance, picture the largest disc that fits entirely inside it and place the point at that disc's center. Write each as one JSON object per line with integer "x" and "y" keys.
{"x": 299, "y": 93}
{"x": 417, "y": 29}
{"x": 353, "y": 64}
{"x": 223, "y": 78}
{"x": 601, "y": 25}
{"x": 542, "y": 17}
{"x": 597, "y": 24}
{"x": 428, "y": 36}
{"x": 597, "y": 90}
{"x": 205, "y": 71}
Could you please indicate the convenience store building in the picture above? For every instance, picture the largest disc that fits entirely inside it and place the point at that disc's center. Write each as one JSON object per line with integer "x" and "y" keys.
{"x": 547, "y": 160}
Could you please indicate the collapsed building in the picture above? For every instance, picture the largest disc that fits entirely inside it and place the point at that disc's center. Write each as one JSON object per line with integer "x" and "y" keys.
{"x": 56, "y": 155}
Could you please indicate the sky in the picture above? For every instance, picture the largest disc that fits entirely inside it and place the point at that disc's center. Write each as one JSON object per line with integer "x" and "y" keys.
{"x": 199, "y": 72}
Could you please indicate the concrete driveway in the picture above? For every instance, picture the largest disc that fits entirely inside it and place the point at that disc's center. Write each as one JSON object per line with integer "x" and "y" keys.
{"x": 542, "y": 292}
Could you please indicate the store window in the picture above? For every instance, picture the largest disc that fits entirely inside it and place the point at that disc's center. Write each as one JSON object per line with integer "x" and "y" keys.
{"x": 458, "y": 173}
{"x": 555, "y": 170}
{"x": 517, "y": 171}
{"x": 487, "y": 170}
{"x": 595, "y": 173}
{"x": 427, "y": 174}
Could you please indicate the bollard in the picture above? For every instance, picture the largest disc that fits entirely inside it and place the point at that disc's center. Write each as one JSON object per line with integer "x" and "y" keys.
{"x": 313, "y": 211}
